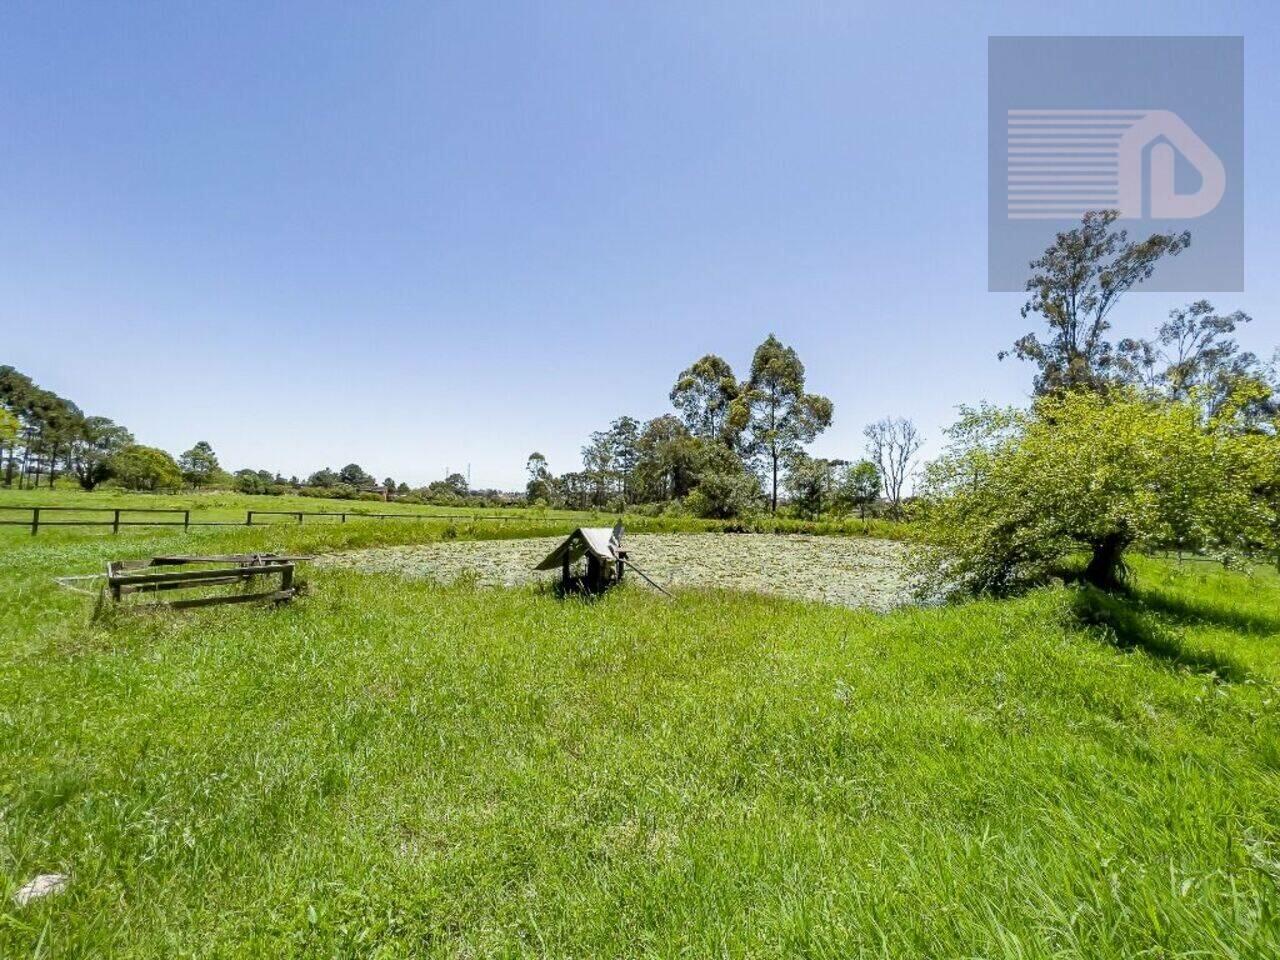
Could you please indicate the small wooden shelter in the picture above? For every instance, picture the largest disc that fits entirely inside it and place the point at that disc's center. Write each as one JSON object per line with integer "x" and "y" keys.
{"x": 605, "y": 559}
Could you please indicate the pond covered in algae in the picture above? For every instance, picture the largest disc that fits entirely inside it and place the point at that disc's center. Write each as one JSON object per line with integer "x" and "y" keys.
{"x": 853, "y": 572}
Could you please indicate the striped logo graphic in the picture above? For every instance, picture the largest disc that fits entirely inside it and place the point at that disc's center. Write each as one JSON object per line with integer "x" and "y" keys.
{"x": 1064, "y": 163}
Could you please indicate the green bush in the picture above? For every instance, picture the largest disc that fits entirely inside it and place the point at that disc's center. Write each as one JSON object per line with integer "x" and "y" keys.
{"x": 726, "y": 489}
{"x": 136, "y": 467}
{"x": 1020, "y": 492}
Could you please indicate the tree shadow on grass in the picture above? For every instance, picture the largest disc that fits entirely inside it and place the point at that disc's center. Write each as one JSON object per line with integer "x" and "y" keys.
{"x": 1191, "y": 613}
{"x": 1130, "y": 623}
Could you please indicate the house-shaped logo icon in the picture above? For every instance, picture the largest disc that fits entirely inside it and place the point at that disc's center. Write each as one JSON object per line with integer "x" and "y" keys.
{"x": 1062, "y": 163}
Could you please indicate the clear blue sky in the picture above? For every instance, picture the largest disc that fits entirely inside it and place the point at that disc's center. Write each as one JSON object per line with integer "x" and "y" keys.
{"x": 451, "y": 233}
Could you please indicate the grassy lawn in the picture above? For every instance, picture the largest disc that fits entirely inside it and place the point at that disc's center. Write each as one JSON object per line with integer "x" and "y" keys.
{"x": 229, "y": 509}
{"x": 390, "y": 768}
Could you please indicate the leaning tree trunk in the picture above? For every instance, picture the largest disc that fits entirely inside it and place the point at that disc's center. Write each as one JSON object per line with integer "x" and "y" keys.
{"x": 1106, "y": 564}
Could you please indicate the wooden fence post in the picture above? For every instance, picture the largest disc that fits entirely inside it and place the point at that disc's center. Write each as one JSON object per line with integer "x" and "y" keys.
{"x": 248, "y": 518}
{"x": 186, "y": 521}
{"x": 35, "y": 520}
{"x": 115, "y": 522}
{"x": 299, "y": 518}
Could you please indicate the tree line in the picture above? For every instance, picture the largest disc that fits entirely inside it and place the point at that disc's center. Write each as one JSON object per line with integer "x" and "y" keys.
{"x": 732, "y": 446}
{"x": 45, "y": 438}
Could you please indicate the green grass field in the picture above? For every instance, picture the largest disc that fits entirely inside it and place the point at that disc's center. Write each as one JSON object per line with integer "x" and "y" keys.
{"x": 390, "y": 768}
{"x": 224, "y": 509}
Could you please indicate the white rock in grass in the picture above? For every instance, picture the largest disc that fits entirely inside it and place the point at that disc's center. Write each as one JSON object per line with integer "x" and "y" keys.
{"x": 44, "y": 885}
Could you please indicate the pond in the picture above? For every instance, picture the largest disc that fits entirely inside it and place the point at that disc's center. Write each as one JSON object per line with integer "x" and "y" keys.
{"x": 848, "y": 571}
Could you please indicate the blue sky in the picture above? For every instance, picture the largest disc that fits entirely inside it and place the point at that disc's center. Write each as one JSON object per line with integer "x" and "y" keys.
{"x": 435, "y": 234}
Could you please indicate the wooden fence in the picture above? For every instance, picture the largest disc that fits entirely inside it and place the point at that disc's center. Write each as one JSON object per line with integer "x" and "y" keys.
{"x": 140, "y": 576}
{"x": 39, "y": 517}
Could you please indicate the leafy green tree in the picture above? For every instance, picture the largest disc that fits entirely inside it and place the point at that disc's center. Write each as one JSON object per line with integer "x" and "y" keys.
{"x": 704, "y": 395}
{"x": 725, "y": 488}
{"x": 610, "y": 459}
{"x": 1097, "y": 475}
{"x": 1195, "y": 351}
{"x": 145, "y": 468}
{"x": 624, "y": 442}
{"x": 452, "y": 490}
{"x": 541, "y": 485}
{"x": 98, "y": 441}
{"x": 48, "y": 425}
{"x": 779, "y": 414}
{"x": 857, "y": 486}
{"x": 63, "y": 423}
{"x": 199, "y": 465}
{"x": 322, "y": 478}
{"x": 976, "y": 438}
{"x": 1074, "y": 287}
{"x": 9, "y": 428}
{"x": 254, "y": 481}
{"x": 668, "y": 462}
{"x": 811, "y": 483}
{"x": 19, "y": 398}
{"x": 247, "y": 481}
{"x": 577, "y": 490}
{"x": 52, "y": 433}
{"x": 354, "y": 475}
{"x": 598, "y": 467}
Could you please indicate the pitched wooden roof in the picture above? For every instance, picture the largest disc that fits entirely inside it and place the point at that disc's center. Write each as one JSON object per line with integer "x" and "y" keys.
{"x": 600, "y": 542}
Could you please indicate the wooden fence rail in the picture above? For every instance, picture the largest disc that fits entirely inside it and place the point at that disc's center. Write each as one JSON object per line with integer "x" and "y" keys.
{"x": 140, "y": 576}
{"x": 121, "y": 517}
{"x": 342, "y": 517}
